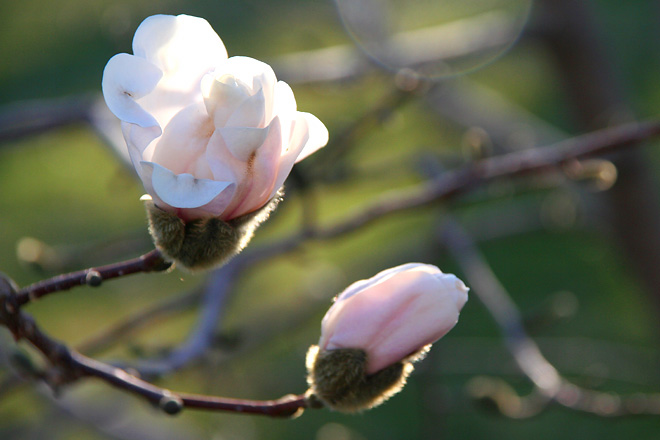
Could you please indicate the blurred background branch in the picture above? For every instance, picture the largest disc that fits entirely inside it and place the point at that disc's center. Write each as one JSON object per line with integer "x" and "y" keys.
{"x": 389, "y": 106}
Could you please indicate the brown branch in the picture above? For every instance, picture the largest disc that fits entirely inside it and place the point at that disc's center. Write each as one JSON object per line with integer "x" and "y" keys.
{"x": 69, "y": 365}
{"x": 446, "y": 186}
{"x": 550, "y": 385}
{"x": 31, "y": 118}
{"x": 519, "y": 163}
{"x": 578, "y": 42}
{"x": 287, "y": 406}
{"x": 149, "y": 262}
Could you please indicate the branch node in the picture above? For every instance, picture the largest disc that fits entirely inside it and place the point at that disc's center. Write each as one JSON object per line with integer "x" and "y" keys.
{"x": 63, "y": 355}
{"x": 162, "y": 266}
{"x": 9, "y": 307}
{"x": 171, "y": 404}
{"x": 93, "y": 278}
{"x": 28, "y": 326}
{"x": 312, "y": 401}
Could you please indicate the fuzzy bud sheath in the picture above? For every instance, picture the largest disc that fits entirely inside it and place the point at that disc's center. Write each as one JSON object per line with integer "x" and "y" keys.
{"x": 375, "y": 330}
{"x": 338, "y": 378}
{"x": 206, "y": 242}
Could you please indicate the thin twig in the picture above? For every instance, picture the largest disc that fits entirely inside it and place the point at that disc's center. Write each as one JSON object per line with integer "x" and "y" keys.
{"x": 286, "y": 406}
{"x": 140, "y": 319}
{"x": 31, "y": 118}
{"x": 323, "y": 166}
{"x": 216, "y": 293}
{"x": 550, "y": 386}
{"x": 71, "y": 365}
{"x": 519, "y": 163}
{"x": 446, "y": 186}
{"x": 149, "y": 262}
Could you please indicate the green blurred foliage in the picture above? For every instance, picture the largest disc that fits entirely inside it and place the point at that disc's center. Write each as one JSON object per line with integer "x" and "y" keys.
{"x": 67, "y": 189}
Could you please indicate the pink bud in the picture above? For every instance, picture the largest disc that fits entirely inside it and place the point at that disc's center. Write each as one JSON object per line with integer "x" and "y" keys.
{"x": 394, "y": 314}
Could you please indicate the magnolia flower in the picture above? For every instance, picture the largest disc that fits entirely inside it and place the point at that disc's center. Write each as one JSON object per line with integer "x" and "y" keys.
{"x": 208, "y": 135}
{"x": 379, "y": 326}
{"x": 212, "y": 138}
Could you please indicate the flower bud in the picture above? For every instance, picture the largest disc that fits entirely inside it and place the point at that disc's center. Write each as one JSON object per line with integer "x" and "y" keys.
{"x": 376, "y": 329}
{"x": 206, "y": 242}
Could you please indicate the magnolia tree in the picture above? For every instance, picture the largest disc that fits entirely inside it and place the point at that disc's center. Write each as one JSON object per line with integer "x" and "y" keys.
{"x": 213, "y": 139}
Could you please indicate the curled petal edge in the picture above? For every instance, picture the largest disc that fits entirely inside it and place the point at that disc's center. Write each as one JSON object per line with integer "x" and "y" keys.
{"x": 183, "y": 190}
{"x": 318, "y": 135}
{"x": 125, "y": 79}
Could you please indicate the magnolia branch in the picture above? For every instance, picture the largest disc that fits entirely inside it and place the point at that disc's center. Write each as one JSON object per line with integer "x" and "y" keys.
{"x": 550, "y": 386}
{"x": 445, "y": 186}
{"x": 69, "y": 365}
{"x": 519, "y": 163}
{"x": 149, "y": 262}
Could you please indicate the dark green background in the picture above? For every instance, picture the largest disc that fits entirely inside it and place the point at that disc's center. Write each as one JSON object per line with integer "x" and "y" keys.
{"x": 66, "y": 188}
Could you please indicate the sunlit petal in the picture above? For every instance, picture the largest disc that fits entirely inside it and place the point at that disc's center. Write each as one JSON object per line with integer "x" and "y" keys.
{"x": 243, "y": 142}
{"x": 127, "y": 78}
{"x": 183, "y": 190}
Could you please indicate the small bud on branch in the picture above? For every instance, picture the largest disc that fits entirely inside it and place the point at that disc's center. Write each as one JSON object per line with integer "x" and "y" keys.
{"x": 376, "y": 329}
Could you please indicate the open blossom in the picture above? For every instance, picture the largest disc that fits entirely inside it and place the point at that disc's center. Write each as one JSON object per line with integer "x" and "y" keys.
{"x": 394, "y": 314}
{"x": 208, "y": 135}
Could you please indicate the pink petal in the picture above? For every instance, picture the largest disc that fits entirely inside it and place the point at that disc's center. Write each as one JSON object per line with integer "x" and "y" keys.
{"x": 394, "y": 314}
{"x": 255, "y": 190}
{"x": 184, "y": 141}
{"x": 243, "y": 142}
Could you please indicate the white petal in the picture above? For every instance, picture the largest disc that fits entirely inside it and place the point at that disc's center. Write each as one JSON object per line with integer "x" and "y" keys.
{"x": 183, "y": 190}
{"x": 318, "y": 136}
{"x": 451, "y": 283}
{"x": 256, "y": 74}
{"x": 251, "y": 113}
{"x": 140, "y": 137}
{"x": 184, "y": 141}
{"x": 243, "y": 142}
{"x": 223, "y": 164}
{"x": 125, "y": 79}
{"x": 284, "y": 103}
{"x": 179, "y": 43}
{"x": 284, "y": 107}
{"x": 395, "y": 313}
{"x": 136, "y": 156}
{"x": 222, "y": 96}
{"x": 303, "y": 140}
